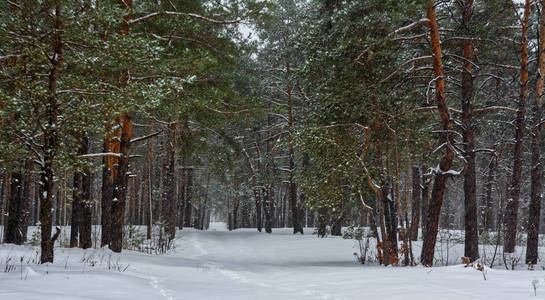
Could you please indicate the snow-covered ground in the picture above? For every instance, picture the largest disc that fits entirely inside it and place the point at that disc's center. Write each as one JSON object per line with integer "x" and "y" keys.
{"x": 244, "y": 264}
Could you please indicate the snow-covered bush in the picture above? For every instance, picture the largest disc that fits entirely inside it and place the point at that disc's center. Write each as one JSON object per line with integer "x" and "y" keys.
{"x": 360, "y": 235}
{"x": 134, "y": 239}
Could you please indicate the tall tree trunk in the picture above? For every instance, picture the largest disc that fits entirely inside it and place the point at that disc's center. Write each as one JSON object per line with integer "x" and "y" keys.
{"x": 76, "y": 208}
{"x": 471, "y": 245}
{"x": 13, "y": 232}
{"x": 4, "y": 195}
{"x": 322, "y": 222}
{"x": 415, "y": 207}
{"x": 426, "y": 182}
{"x": 441, "y": 176}
{"x": 204, "y": 209}
{"x": 266, "y": 208}
{"x": 511, "y": 213}
{"x": 488, "y": 214}
{"x": 188, "y": 198}
{"x": 111, "y": 144}
{"x": 172, "y": 179}
{"x": 28, "y": 185}
{"x": 235, "y": 200}
{"x": 109, "y": 175}
{"x": 85, "y": 227}
{"x": 50, "y": 144}
{"x": 258, "y": 208}
{"x": 393, "y": 219}
{"x": 297, "y": 228}
{"x": 272, "y": 205}
{"x": 183, "y": 196}
{"x": 537, "y": 169}
{"x": 120, "y": 186}
{"x": 149, "y": 184}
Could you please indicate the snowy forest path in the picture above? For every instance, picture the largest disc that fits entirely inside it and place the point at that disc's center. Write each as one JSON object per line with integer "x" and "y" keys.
{"x": 246, "y": 265}
{"x": 214, "y": 265}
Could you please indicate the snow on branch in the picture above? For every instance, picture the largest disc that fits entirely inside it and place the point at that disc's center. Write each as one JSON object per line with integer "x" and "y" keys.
{"x": 138, "y": 139}
{"x": 364, "y": 204}
{"x": 103, "y": 154}
{"x": 190, "y": 15}
{"x": 392, "y": 34}
{"x": 404, "y": 64}
{"x": 495, "y": 108}
{"x": 409, "y": 27}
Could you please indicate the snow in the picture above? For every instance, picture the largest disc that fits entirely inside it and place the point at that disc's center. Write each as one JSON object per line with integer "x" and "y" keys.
{"x": 245, "y": 264}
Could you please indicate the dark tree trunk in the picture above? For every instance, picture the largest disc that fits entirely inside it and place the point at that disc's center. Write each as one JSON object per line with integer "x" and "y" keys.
{"x": 50, "y": 145}
{"x": 511, "y": 213}
{"x": 107, "y": 193}
{"x": 85, "y": 227}
{"x": 76, "y": 209}
{"x": 4, "y": 194}
{"x": 322, "y": 222}
{"x": 426, "y": 181}
{"x": 471, "y": 245}
{"x": 172, "y": 176}
{"x": 297, "y": 227}
{"x": 183, "y": 196}
{"x": 258, "y": 209}
{"x": 132, "y": 200}
{"x": 28, "y": 185}
{"x": 4, "y": 187}
{"x": 488, "y": 213}
{"x": 87, "y": 212}
{"x": 147, "y": 196}
{"x": 393, "y": 219}
{"x": 267, "y": 209}
{"x": 441, "y": 176}
{"x": 14, "y": 233}
{"x": 120, "y": 187}
{"x": 272, "y": 206}
{"x": 415, "y": 207}
{"x": 537, "y": 169}
{"x": 235, "y": 214}
{"x": 336, "y": 228}
{"x": 381, "y": 213}
{"x": 188, "y": 198}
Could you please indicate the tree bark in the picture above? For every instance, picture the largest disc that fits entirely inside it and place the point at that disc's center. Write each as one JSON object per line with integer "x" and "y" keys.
{"x": 511, "y": 213}
{"x": 50, "y": 144}
{"x": 537, "y": 169}
{"x": 120, "y": 186}
{"x": 28, "y": 185}
{"x": 258, "y": 209}
{"x": 76, "y": 208}
{"x": 322, "y": 222}
{"x": 147, "y": 196}
{"x": 426, "y": 181}
{"x": 107, "y": 185}
{"x": 267, "y": 208}
{"x": 441, "y": 176}
{"x": 297, "y": 228}
{"x": 415, "y": 207}
{"x": 85, "y": 227}
{"x": 172, "y": 176}
{"x": 471, "y": 245}
{"x": 488, "y": 213}
{"x": 188, "y": 213}
{"x": 13, "y": 232}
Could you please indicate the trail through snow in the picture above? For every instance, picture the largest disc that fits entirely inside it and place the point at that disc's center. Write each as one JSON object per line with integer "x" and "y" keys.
{"x": 245, "y": 264}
